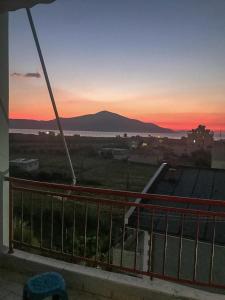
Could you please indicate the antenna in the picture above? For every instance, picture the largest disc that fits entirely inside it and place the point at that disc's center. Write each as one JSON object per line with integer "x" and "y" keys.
{"x": 51, "y": 94}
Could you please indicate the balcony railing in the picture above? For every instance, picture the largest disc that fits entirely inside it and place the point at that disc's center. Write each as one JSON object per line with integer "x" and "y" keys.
{"x": 171, "y": 238}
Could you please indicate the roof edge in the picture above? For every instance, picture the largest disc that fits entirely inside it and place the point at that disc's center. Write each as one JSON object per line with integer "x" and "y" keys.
{"x": 150, "y": 183}
{"x": 13, "y": 5}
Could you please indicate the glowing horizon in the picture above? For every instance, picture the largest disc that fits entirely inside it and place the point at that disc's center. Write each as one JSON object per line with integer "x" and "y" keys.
{"x": 29, "y": 99}
{"x": 177, "y": 126}
{"x": 149, "y": 60}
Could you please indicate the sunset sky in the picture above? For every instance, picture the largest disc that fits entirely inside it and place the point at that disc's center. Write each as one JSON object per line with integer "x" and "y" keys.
{"x": 160, "y": 61}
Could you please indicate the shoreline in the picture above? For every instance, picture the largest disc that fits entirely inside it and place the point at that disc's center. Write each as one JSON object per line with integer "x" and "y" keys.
{"x": 103, "y": 134}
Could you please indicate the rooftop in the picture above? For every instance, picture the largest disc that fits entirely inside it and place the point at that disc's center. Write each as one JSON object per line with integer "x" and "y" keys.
{"x": 196, "y": 183}
{"x": 190, "y": 182}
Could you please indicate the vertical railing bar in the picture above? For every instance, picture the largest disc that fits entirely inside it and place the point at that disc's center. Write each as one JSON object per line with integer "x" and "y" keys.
{"x": 110, "y": 235}
{"x": 212, "y": 252}
{"x": 196, "y": 249}
{"x": 97, "y": 232}
{"x": 85, "y": 229}
{"x": 22, "y": 217}
{"x": 11, "y": 213}
{"x": 123, "y": 238}
{"x": 150, "y": 257}
{"x": 165, "y": 244}
{"x": 62, "y": 232}
{"x": 180, "y": 247}
{"x": 136, "y": 242}
{"x": 52, "y": 222}
{"x": 41, "y": 242}
{"x": 74, "y": 226}
{"x": 31, "y": 218}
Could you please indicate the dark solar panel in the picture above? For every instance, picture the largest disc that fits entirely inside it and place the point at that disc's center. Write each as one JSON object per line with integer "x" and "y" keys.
{"x": 219, "y": 185}
{"x": 187, "y": 182}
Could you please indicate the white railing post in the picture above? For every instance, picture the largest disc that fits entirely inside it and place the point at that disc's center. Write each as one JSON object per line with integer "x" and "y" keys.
{"x": 4, "y": 132}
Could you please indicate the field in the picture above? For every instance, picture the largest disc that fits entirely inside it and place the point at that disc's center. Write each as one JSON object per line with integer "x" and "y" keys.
{"x": 41, "y": 221}
{"x": 91, "y": 169}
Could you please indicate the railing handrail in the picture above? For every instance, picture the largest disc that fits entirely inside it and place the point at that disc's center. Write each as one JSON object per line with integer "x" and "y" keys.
{"x": 104, "y": 235}
{"x": 128, "y": 204}
{"x": 100, "y": 191}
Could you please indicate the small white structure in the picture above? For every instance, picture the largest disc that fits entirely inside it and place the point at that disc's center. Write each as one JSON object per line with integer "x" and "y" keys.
{"x": 28, "y": 165}
{"x": 127, "y": 258}
{"x": 218, "y": 155}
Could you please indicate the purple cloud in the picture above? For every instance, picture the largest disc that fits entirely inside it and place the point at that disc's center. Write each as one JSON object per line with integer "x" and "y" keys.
{"x": 27, "y": 75}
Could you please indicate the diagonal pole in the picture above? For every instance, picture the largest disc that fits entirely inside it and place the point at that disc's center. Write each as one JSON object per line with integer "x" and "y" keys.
{"x": 51, "y": 93}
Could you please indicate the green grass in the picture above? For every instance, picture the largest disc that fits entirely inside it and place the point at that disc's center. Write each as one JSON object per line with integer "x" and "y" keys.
{"x": 100, "y": 172}
{"x": 90, "y": 168}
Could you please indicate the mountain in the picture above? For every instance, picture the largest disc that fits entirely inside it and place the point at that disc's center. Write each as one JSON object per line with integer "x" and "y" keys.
{"x": 101, "y": 121}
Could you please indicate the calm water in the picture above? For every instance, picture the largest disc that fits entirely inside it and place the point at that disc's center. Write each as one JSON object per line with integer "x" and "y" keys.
{"x": 174, "y": 135}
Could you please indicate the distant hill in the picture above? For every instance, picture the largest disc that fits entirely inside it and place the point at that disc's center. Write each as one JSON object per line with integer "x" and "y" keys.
{"x": 101, "y": 121}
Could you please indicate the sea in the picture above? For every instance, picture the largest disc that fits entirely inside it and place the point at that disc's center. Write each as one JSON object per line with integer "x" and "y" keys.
{"x": 173, "y": 135}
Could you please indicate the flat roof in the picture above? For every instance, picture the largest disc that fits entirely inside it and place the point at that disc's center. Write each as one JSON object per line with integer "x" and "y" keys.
{"x": 24, "y": 160}
{"x": 191, "y": 182}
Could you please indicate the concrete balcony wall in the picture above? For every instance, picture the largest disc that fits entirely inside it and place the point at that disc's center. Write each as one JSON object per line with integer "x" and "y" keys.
{"x": 100, "y": 284}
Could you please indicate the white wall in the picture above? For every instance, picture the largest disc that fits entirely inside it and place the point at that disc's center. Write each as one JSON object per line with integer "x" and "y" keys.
{"x": 218, "y": 164}
{"x": 4, "y": 138}
{"x": 218, "y": 155}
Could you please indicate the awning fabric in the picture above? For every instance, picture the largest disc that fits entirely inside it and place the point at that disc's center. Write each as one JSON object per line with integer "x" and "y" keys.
{"x": 10, "y": 5}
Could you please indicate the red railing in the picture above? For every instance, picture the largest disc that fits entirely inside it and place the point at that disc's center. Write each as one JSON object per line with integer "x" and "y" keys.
{"x": 167, "y": 237}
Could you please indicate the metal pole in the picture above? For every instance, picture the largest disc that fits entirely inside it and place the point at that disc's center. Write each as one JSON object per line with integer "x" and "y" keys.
{"x": 51, "y": 93}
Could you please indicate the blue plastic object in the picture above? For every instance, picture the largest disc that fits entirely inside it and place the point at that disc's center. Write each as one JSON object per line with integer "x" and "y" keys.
{"x": 45, "y": 285}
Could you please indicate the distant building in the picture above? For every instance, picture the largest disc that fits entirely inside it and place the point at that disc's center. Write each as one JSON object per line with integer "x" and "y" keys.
{"x": 28, "y": 165}
{"x": 116, "y": 153}
{"x": 135, "y": 142}
{"x": 151, "y": 158}
{"x": 46, "y": 133}
{"x": 218, "y": 155}
{"x": 199, "y": 139}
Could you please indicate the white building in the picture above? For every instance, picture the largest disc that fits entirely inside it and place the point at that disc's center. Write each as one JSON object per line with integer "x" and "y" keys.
{"x": 199, "y": 139}
{"x": 28, "y": 165}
